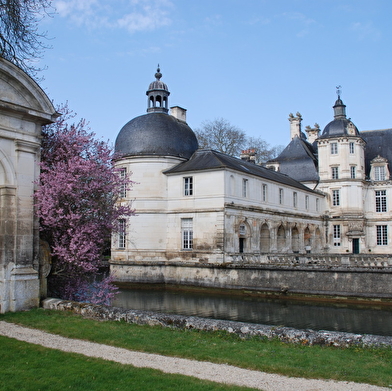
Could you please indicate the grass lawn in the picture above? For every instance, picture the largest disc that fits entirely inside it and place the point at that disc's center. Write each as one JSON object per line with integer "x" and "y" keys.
{"x": 372, "y": 366}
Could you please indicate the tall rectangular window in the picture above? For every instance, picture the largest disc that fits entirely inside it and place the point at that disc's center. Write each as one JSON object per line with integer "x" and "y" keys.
{"x": 336, "y": 235}
{"x": 307, "y": 202}
{"x": 187, "y": 233}
{"x": 334, "y": 148}
{"x": 281, "y": 196}
{"x": 381, "y": 200}
{"x": 351, "y": 146}
{"x": 295, "y": 199}
{"x": 352, "y": 172}
{"x": 382, "y": 235}
{"x": 335, "y": 197}
{"x": 317, "y": 204}
{"x": 244, "y": 188}
{"x": 121, "y": 233}
{"x": 264, "y": 193}
{"x": 123, "y": 190}
{"x": 379, "y": 173}
{"x": 335, "y": 172}
{"x": 188, "y": 186}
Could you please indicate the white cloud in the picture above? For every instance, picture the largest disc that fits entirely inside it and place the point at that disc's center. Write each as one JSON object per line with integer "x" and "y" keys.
{"x": 366, "y": 31}
{"x": 136, "y": 15}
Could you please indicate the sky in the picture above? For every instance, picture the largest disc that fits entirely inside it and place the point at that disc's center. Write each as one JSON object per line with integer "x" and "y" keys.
{"x": 250, "y": 62}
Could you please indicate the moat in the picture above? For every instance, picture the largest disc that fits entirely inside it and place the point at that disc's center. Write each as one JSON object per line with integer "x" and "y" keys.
{"x": 357, "y": 319}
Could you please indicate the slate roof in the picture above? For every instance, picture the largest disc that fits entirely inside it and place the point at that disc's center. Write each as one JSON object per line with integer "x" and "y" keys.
{"x": 206, "y": 159}
{"x": 378, "y": 142}
{"x": 156, "y": 134}
{"x": 298, "y": 160}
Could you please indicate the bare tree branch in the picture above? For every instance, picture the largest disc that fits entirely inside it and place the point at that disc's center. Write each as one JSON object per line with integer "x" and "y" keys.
{"x": 20, "y": 40}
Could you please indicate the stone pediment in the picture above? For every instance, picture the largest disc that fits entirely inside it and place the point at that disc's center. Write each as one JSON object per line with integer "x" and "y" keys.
{"x": 20, "y": 93}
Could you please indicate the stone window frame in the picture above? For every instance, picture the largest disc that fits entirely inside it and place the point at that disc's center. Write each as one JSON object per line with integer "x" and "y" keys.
{"x": 122, "y": 234}
{"x": 187, "y": 233}
{"x": 353, "y": 172}
{"x": 382, "y": 235}
{"x": 334, "y": 148}
{"x": 336, "y": 197}
{"x": 381, "y": 200}
{"x": 352, "y": 147}
{"x": 337, "y": 232}
{"x": 123, "y": 189}
{"x": 335, "y": 172}
{"x": 188, "y": 186}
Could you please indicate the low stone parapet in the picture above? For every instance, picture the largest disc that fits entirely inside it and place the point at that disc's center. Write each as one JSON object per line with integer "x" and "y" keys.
{"x": 243, "y": 330}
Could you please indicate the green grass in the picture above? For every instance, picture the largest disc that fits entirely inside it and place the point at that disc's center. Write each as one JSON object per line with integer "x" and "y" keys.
{"x": 372, "y": 366}
{"x": 31, "y": 368}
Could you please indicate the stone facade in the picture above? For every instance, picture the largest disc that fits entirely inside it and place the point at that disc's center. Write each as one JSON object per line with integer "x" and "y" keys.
{"x": 24, "y": 108}
{"x": 326, "y": 198}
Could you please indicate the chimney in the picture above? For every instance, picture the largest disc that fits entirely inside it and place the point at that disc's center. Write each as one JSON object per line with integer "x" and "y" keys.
{"x": 249, "y": 155}
{"x": 178, "y": 112}
{"x": 313, "y": 133}
{"x": 295, "y": 125}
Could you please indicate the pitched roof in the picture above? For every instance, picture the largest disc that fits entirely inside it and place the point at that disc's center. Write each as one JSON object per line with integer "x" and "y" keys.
{"x": 378, "y": 142}
{"x": 298, "y": 160}
{"x": 206, "y": 159}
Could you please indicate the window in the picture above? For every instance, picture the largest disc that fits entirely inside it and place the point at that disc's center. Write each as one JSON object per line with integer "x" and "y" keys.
{"x": 317, "y": 204}
{"x": 334, "y": 148}
{"x": 244, "y": 188}
{"x": 335, "y": 172}
{"x": 381, "y": 200}
{"x": 352, "y": 172}
{"x": 264, "y": 193}
{"x": 295, "y": 199}
{"x": 382, "y": 235}
{"x": 307, "y": 202}
{"x": 188, "y": 186}
{"x": 187, "y": 234}
{"x": 123, "y": 189}
{"x": 336, "y": 235}
{"x": 335, "y": 197}
{"x": 281, "y": 196}
{"x": 379, "y": 173}
{"x": 121, "y": 233}
{"x": 351, "y": 146}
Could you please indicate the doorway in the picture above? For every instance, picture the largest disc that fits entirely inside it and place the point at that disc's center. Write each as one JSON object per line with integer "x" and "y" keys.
{"x": 356, "y": 246}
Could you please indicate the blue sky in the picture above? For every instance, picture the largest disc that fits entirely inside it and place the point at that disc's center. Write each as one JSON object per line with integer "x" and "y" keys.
{"x": 251, "y": 62}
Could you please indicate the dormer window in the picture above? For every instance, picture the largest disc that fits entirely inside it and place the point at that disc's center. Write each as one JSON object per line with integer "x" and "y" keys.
{"x": 379, "y": 169}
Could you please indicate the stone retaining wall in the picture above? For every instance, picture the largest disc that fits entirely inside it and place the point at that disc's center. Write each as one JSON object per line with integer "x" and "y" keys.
{"x": 244, "y": 330}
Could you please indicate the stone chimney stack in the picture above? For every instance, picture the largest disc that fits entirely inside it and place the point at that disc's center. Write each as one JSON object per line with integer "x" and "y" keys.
{"x": 249, "y": 155}
{"x": 295, "y": 125}
{"x": 178, "y": 112}
{"x": 312, "y": 133}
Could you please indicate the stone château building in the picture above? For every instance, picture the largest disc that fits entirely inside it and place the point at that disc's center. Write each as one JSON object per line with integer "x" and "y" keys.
{"x": 315, "y": 220}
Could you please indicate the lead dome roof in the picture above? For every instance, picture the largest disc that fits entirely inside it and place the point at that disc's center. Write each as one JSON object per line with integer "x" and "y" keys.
{"x": 340, "y": 126}
{"x": 156, "y": 133}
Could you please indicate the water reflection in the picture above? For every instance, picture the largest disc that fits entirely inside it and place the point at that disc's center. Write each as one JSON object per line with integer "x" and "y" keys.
{"x": 256, "y": 310}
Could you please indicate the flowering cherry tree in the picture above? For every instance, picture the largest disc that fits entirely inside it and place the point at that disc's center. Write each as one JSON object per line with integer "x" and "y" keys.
{"x": 77, "y": 204}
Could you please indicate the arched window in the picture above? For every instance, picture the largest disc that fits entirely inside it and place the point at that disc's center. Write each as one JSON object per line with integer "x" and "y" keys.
{"x": 281, "y": 236}
{"x": 295, "y": 240}
{"x": 265, "y": 239}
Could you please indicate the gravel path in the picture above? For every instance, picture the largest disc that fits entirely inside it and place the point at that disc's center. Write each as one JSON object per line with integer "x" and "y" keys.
{"x": 202, "y": 370}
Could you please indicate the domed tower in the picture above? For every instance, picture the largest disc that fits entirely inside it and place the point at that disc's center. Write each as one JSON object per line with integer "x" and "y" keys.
{"x": 147, "y": 146}
{"x": 342, "y": 174}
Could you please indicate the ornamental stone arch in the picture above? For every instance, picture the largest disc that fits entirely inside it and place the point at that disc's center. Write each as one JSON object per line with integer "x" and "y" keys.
{"x": 244, "y": 236}
{"x": 265, "y": 238}
{"x": 24, "y": 108}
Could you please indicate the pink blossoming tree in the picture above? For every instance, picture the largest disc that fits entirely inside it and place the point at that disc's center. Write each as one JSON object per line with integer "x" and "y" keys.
{"x": 77, "y": 204}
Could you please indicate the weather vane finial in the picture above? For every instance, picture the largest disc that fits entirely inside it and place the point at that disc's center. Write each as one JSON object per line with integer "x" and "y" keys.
{"x": 339, "y": 90}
